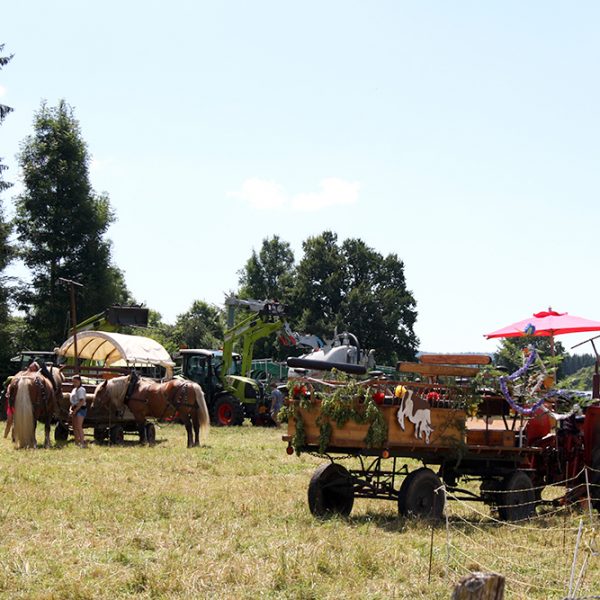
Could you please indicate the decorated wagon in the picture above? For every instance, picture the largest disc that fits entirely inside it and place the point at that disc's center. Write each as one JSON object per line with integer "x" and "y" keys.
{"x": 440, "y": 412}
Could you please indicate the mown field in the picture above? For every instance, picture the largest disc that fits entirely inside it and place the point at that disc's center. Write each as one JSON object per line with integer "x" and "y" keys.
{"x": 230, "y": 520}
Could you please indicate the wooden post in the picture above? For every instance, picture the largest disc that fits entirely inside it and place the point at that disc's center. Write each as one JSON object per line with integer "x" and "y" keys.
{"x": 480, "y": 586}
{"x": 72, "y": 285}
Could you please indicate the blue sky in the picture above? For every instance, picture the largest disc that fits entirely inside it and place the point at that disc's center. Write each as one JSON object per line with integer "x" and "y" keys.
{"x": 461, "y": 136}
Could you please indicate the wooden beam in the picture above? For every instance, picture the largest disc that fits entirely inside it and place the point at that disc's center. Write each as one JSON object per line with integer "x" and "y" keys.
{"x": 455, "y": 359}
{"x": 433, "y": 370}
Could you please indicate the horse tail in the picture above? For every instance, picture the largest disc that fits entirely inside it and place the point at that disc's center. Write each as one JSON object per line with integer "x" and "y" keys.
{"x": 202, "y": 411}
{"x": 24, "y": 424}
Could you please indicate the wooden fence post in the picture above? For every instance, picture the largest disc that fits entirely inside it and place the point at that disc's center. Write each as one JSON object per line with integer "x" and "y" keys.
{"x": 480, "y": 586}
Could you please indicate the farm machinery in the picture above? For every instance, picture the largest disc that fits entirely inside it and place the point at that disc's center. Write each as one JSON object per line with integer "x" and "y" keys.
{"x": 231, "y": 394}
{"x": 232, "y": 383}
{"x": 441, "y": 413}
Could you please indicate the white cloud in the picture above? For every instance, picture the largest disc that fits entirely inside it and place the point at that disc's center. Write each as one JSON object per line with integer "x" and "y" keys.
{"x": 264, "y": 194}
{"x": 333, "y": 192}
{"x": 2, "y": 90}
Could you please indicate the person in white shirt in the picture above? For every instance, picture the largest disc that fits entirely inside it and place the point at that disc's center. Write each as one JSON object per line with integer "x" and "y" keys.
{"x": 78, "y": 410}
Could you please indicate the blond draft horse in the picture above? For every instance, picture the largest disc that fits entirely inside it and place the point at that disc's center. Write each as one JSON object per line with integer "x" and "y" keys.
{"x": 34, "y": 396}
{"x": 175, "y": 398}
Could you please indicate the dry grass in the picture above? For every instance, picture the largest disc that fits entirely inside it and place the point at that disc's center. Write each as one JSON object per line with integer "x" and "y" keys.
{"x": 229, "y": 520}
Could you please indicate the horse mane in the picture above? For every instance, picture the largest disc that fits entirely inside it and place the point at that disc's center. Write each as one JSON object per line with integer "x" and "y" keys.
{"x": 116, "y": 389}
{"x": 58, "y": 378}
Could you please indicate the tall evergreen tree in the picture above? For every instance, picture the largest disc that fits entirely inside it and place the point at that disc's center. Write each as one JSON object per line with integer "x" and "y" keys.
{"x": 61, "y": 225}
{"x": 5, "y": 253}
{"x": 4, "y": 110}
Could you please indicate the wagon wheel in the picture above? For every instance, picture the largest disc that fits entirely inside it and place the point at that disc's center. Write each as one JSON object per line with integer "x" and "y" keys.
{"x": 330, "y": 491}
{"x": 227, "y": 411}
{"x": 594, "y": 479}
{"x": 421, "y": 495}
{"x": 61, "y": 432}
{"x": 516, "y": 501}
{"x": 151, "y": 433}
{"x": 117, "y": 435}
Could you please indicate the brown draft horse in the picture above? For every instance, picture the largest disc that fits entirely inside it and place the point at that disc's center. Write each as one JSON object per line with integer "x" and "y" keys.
{"x": 34, "y": 396}
{"x": 146, "y": 398}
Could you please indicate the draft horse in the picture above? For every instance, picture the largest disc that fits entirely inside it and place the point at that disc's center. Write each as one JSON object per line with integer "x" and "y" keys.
{"x": 174, "y": 398}
{"x": 34, "y": 395}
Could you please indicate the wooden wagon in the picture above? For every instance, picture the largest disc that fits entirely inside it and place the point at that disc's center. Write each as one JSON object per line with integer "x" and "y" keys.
{"x": 102, "y": 355}
{"x": 435, "y": 414}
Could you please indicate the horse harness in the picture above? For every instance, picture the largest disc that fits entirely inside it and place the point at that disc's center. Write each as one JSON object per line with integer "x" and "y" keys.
{"x": 176, "y": 402}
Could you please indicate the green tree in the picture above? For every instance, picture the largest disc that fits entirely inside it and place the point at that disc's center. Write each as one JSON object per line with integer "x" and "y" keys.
{"x": 348, "y": 287}
{"x": 4, "y": 110}
{"x": 320, "y": 286}
{"x": 269, "y": 273}
{"x": 61, "y": 225}
{"x": 509, "y": 355}
{"x": 6, "y": 253}
{"x": 200, "y": 327}
{"x": 377, "y": 306}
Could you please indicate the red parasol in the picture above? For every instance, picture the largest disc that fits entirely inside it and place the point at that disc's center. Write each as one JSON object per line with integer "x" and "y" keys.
{"x": 546, "y": 323}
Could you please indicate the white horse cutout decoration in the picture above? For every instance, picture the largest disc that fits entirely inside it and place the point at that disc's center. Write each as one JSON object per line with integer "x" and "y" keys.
{"x": 418, "y": 412}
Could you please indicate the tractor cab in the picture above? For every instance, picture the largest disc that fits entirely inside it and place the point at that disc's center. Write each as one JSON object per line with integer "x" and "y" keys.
{"x": 26, "y": 357}
{"x": 204, "y": 367}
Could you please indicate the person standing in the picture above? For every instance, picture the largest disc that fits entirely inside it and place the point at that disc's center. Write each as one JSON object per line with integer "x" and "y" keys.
{"x": 276, "y": 402}
{"x": 78, "y": 410}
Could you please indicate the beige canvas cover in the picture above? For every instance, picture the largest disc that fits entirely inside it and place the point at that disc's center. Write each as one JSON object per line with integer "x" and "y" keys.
{"x": 117, "y": 348}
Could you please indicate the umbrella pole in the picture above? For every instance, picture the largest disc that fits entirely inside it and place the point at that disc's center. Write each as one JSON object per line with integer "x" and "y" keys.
{"x": 552, "y": 352}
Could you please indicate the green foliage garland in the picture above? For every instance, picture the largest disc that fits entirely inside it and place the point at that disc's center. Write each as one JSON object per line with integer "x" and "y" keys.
{"x": 347, "y": 402}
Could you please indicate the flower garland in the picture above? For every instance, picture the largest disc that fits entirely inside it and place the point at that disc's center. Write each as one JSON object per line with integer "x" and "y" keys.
{"x": 524, "y": 410}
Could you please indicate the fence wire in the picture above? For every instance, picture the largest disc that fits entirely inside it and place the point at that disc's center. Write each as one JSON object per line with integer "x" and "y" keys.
{"x": 553, "y": 554}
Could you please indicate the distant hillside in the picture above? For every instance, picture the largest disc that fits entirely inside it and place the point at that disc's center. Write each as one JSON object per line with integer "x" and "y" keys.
{"x": 581, "y": 380}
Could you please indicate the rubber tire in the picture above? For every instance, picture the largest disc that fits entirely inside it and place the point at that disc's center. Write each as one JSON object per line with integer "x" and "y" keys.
{"x": 150, "y": 434}
{"x": 117, "y": 435}
{"x": 61, "y": 432}
{"x": 100, "y": 434}
{"x": 227, "y": 412}
{"x": 516, "y": 501}
{"x": 594, "y": 479}
{"x": 330, "y": 491}
{"x": 418, "y": 496}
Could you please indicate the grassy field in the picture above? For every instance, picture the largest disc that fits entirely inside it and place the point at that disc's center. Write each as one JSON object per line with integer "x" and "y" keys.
{"x": 230, "y": 520}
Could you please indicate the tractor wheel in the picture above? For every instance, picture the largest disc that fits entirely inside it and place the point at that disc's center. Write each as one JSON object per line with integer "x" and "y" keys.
{"x": 330, "y": 491}
{"x": 61, "y": 432}
{"x": 117, "y": 435}
{"x": 150, "y": 433}
{"x": 516, "y": 500}
{"x": 594, "y": 479}
{"x": 100, "y": 434}
{"x": 227, "y": 411}
{"x": 421, "y": 495}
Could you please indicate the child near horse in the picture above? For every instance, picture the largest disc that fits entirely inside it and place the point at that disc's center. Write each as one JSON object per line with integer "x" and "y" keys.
{"x": 78, "y": 410}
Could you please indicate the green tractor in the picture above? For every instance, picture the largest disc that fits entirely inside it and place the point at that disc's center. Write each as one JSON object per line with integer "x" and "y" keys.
{"x": 230, "y": 393}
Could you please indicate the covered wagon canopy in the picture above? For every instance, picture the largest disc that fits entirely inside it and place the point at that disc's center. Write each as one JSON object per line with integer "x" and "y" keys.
{"x": 117, "y": 349}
